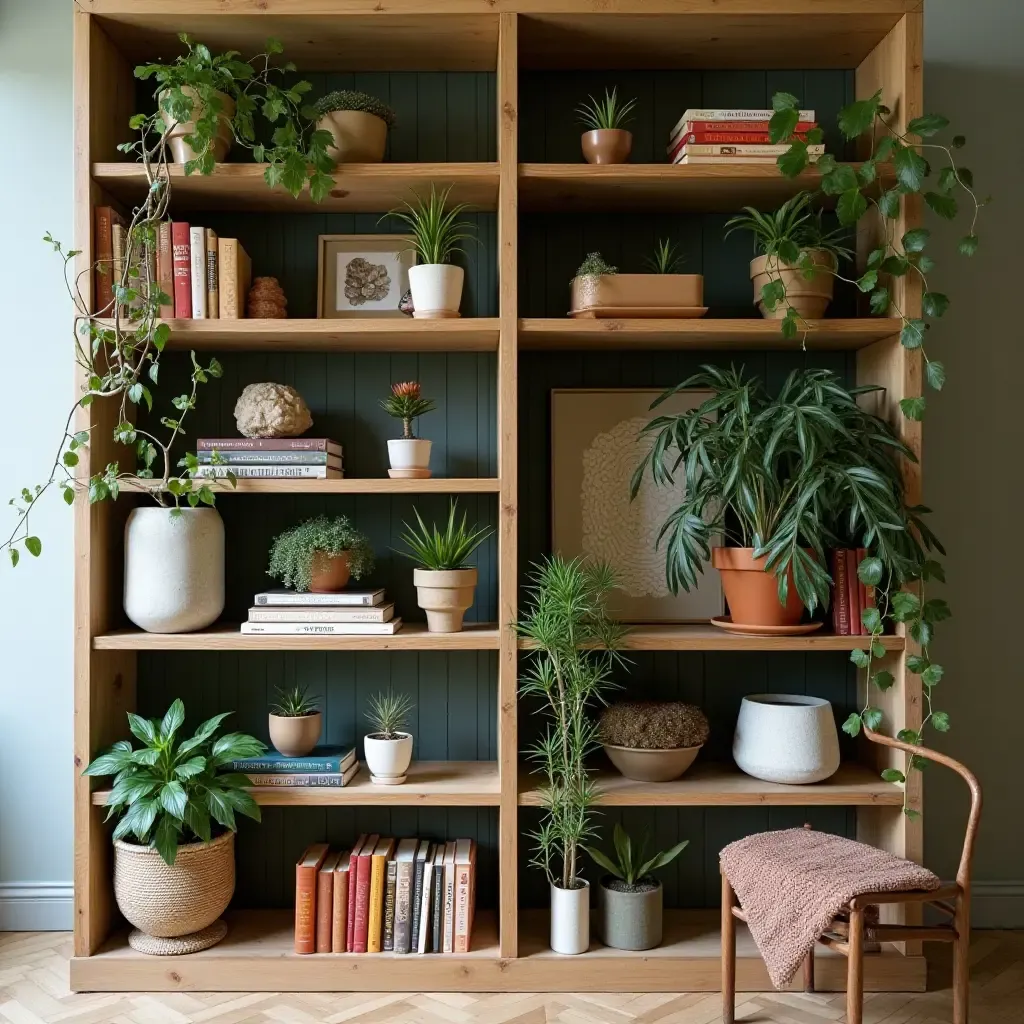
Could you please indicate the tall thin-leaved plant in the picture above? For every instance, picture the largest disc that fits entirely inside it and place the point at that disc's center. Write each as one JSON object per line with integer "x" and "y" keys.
{"x": 436, "y": 228}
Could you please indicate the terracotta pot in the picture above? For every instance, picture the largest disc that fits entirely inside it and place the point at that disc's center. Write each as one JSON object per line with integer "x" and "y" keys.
{"x": 809, "y": 296}
{"x": 752, "y": 593}
{"x": 295, "y": 735}
{"x": 388, "y": 760}
{"x": 330, "y": 572}
{"x": 636, "y": 295}
{"x": 445, "y": 595}
{"x": 607, "y": 146}
{"x": 646, "y": 765}
{"x": 359, "y": 137}
{"x": 180, "y": 149}
{"x": 629, "y": 920}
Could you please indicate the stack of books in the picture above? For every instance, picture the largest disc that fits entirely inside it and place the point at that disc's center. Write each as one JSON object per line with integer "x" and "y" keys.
{"x": 323, "y": 766}
{"x": 731, "y": 136}
{"x": 849, "y": 596}
{"x": 345, "y": 613}
{"x": 409, "y": 896}
{"x": 306, "y": 458}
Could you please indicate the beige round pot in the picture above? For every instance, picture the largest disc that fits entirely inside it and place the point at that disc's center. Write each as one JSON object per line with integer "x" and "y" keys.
{"x": 359, "y": 137}
{"x": 606, "y": 146}
{"x": 753, "y": 593}
{"x": 180, "y": 149}
{"x": 295, "y": 735}
{"x": 647, "y": 765}
{"x": 809, "y": 296}
{"x": 330, "y": 573}
{"x": 174, "y": 901}
{"x": 629, "y": 920}
{"x": 445, "y": 596}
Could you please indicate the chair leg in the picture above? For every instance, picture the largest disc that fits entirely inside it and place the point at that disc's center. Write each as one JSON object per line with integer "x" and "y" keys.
{"x": 809, "y": 971}
{"x": 855, "y": 969}
{"x": 961, "y": 959}
{"x": 728, "y": 954}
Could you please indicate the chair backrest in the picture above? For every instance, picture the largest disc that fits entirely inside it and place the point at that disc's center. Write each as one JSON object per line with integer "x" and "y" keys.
{"x": 963, "y": 875}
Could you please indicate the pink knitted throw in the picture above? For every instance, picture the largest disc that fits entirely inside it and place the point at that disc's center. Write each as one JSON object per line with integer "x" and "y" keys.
{"x": 793, "y": 883}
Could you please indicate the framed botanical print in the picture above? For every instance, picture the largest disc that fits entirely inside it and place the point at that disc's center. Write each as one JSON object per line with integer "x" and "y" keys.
{"x": 362, "y": 275}
{"x": 595, "y": 448}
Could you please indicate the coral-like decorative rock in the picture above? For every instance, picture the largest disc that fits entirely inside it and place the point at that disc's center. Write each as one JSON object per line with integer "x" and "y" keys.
{"x": 366, "y": 281}
{"x": 654, "y": 725}
{"x": 267, "y": 300}
{"x": 405, "y": 303}
{"x": 271, "y": 410}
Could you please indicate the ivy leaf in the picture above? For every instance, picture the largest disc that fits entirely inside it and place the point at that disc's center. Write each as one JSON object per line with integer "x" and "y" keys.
{"x": 935, "y": 610}
{"x": 789, "y": 325}
{"x": 932, "y": 570}
{"x": 944, "y": 206}
{"x": 889, "y": 203}
{"x": 852, "y": 725}
{"x": 968, "y": 245}
{"x": 911, "y": 814}
{"x": 815, "y": 137}
{"x": 15, "y": 556}
{"x": 34, "y": 546}
{"x": 912, "y": 335}
{"x": 893, "y": 775}
{"x": 940, "y": 721}
{"x": 851, "y": 207}
{"x": 916, "y": 239}
{"x": 916, "y": 663}
{"x": 782, "y": 124}
{"x": 795, "y": 160}
{"x": 860, "y": 658}
{"x": 927, "y": 125}
{"x": 842, "y": 179}
{"x": 872, "y": 717}
{"x": 932, "y": 676}
{"x": 856, "y": 118}
{"x": 908, "y": 736}
{"x": 880, "y": 301}
{"x": 872, "y": 620}
{"x": 935, "y": 374}
{"x": 921, "y": 633}
{"x": 867, "y": 172}
{"x": 869, "y": 572}
{"x": 905, "y": 605}
{"x": 934, "y": 303}
{"x": 868, "y": 281}
{"x": 947, "y": 179}
{"x": 958, "y": 142}
{"x": 883, "y": 680}
{"x": 911, "y": 169}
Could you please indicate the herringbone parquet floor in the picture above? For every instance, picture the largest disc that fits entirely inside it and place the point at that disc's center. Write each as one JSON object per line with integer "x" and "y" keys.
{"x": 34, "y": 990}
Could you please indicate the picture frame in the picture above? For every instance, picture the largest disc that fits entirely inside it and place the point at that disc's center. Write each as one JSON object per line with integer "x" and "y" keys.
{"x": 339, "y": 272}
{"x": 595, "y": 448}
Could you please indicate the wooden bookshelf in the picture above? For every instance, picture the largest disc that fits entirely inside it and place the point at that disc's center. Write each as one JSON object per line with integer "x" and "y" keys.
{"x": 347, "y": 485}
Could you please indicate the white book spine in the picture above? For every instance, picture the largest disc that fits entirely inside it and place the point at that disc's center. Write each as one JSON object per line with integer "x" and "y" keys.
{"x": 425, "y": 902}
{"x": 725, "y": 114}
{"x": 743, "y": 149}
{"x": 197, "y": 240}
{"x": 322, "y": 628}
{"x": 352, "y": 599}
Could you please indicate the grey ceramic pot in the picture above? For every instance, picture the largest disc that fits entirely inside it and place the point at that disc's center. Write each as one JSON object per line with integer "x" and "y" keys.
{"x": 629, "y": 920}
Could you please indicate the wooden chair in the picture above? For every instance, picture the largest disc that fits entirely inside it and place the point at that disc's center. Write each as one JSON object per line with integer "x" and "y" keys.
{"x": 849, "y": 933}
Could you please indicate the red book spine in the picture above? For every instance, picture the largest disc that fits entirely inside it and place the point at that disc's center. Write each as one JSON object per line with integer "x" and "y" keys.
{"x": 324, "y": 910}
{"x": 361, "y": 924}
{"x": 181, "y": 249}
{"x": 739, "y": 127}
{"x": 840, "y": 595}
{"x": 103, "y": 251}
{"x": 305, "y": 909}
{"x": 853, "y": 589}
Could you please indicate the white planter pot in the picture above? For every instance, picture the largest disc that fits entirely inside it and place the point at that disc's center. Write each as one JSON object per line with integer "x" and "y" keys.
{"x": 436, "y": 290}
{"x": 409, "y": 453}
{"x": 786, "y": 738}
{"x": 570, "y": 919}
{"x": 173, "y": 569}
{"x": 388, "y": 760}
{"x": 445, "y": 595}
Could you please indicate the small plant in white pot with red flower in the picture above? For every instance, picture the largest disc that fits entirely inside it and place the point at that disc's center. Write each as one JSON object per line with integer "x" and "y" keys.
{"x": 409, "y": 455}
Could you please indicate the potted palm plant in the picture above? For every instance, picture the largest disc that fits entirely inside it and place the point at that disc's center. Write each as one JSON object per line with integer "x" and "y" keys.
{"x": 606, "y": 141}
{"x": 573, "y": 646}
{"x": 174, "y": 841}
{"x": 436, "y": 282}
{"x": 387, "y": 747}
{"x": 320, "y": 555}
{"x": 295, "y": 721}
{"x": 445, "y": 584}
{"x": 358, "y": 124}
{"x": 409, "y": 455}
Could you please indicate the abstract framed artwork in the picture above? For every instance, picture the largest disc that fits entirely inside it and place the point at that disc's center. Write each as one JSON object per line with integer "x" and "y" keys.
{"x": 362, "y": 275}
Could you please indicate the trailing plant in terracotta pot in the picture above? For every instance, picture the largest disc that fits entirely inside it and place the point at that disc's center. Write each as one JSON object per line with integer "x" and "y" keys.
{"x": 409, "y": 455}
{"x": 653, "y": 741}
{"x": 387, "y": 747}
{"x": 358, "y": 124}
{"x": 606, "y": 141}
{"x": 320, "y": 555}
{"x": 445, "y": 584}
{"x": 295, "y": 721}
{"x": 175, "y": 804}
{"x": 629, "y": 897}
{"x": 573, "y": 646}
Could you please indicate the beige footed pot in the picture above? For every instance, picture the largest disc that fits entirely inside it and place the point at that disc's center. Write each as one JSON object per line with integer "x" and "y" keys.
{"x": 445, "y": 595}
{"x": 295, "y": 735}
{"x": 359, "y": 137}
{"x": 809, "y": 296}
{"x": 180, "y": 149}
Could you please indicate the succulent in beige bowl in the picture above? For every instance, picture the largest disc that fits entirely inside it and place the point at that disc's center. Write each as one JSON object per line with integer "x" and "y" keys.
{"x": 653, "y": 741}
{"x": 295, "y": 722}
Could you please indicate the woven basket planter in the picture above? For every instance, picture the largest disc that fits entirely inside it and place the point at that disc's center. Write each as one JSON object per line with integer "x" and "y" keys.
{"x": 173, "y": 901}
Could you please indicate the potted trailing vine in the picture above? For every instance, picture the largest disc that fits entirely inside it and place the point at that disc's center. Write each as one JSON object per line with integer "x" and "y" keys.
{"x": 358, "y": 124}
{"x": 409, "y": 455}
{"x": 606, "y": 141}
{"x": 320, "y": 556}
{"x": 445, "y": 584}
{"x": 388, "y": 747}
{"x": 629, "y": 897}
{"x": 436, "y": 282}
{"x": 653, "y": 741}
{"x": 174, "y": 841}
{"x": 295, "y": 721}
{"x": 573, "y": 646}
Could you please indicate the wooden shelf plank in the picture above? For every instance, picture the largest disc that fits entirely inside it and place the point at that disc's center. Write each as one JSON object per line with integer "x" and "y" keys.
{"x": 413, "y": 637}
{"x": 708, "y": 784}
{"x": 429, "y": 784}
{"x": 359, "y": 188}
{"x": 702, "y": 334}
{"x": 349, "y": 485}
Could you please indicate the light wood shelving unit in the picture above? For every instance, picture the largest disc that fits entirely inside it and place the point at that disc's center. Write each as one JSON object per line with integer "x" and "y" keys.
{"x": 879, "y": 39}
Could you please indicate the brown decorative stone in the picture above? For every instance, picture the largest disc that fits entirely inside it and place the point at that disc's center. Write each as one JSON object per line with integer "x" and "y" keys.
{"x": 267, "y": 300}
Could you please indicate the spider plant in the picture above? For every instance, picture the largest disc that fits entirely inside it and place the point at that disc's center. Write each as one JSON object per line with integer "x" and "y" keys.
{"x": 436, "y": 228}
{"x": 294, "y": 702}
{"x": 439, "y": 550}
{"x": 606, "y": 114}
{"x": 666, "y": 259}
{"x": 629, "y": 863}
{"x": 387, "y": 714}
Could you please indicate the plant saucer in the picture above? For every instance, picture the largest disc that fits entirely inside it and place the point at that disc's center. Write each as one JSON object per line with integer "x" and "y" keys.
{"x": 387, "y": 780}
{"x": 725, "y": 622}
{"x": 409, "y": 474}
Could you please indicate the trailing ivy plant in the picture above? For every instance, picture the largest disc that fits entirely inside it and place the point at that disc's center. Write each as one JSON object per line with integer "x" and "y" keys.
{"x": 857, "y": 189}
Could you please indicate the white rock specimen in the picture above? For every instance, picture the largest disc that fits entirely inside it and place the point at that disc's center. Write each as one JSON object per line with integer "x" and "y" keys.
{"x": 271, "y": 410}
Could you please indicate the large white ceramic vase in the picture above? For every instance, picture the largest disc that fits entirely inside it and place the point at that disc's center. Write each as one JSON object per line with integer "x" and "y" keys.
{"x": 173, "y": 569}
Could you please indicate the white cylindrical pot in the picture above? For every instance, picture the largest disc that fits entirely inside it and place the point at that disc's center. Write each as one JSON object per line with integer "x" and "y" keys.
{"x": 570, "y": 919}
{"x": 173, "y": 569}
{"x": 388, "y": 760}
{"x": 786, "y": 738}
{"x": 409, "y": 453}
{"x": 436, "y": 289}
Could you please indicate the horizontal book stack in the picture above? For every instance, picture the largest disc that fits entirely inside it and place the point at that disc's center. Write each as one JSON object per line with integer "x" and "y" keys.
{"x": 323, "y": 766}
{"x": 386, "y": 896}
{"x": 731, "y": 136}
{"x": 306, "y": 458}
{"x": 345, "y": 613}
{"x": 849, "y": 596}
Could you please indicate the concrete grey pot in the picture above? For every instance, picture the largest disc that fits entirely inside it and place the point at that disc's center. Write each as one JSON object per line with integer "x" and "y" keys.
{"x": 629, "y": 920}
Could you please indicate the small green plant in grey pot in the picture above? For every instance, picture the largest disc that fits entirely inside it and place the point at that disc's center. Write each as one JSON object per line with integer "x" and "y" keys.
{"x": 629, "y": 897}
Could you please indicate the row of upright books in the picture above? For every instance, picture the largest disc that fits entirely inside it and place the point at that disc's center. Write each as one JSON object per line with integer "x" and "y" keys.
{"x": 305, "y": 458}
{"x": 343, "y": 613}
{"x": 732, "y": 136}
{"x": 204, "y": 276}
{"x": 409, "y": 896}
{"x": 333, "y": 767}
{"x": 849, "y": 596}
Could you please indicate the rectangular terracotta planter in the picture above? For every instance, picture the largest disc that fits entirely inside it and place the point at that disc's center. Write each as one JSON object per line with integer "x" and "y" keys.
{"x": 638, "y": 295}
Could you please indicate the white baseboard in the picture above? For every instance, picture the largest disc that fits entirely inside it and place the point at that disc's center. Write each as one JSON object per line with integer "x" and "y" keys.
{"x": 36, "y": 906}
{"x": 997, "y": 905}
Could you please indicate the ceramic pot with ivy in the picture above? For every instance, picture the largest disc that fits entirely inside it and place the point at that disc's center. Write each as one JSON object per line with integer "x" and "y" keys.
{"x": 358, "y": 124}
{"x": 388, "y": 747}
{"x": 653, "y": 741}
{"x": 409, "y": 455}
{"x": 445, "y": 585}
{"x": 606, "y": 141}
{"x": 206, "y": 105}
{"x": 174, "y": 866}
{"x": 320, "y": 556}
{"x": 295, "y": 722}
{"x": 436, "y": 283}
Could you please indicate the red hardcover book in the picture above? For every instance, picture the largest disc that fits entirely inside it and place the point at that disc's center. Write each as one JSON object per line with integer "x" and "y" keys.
{"x": 325, "y": 901}
{"x": 350, "y": 923}
{"x": 362, "y": 916}
{"x": 181, "y": 249}
{"x": 305, "y": 897}
{"x": 730, "y": 137}
{"x": 867, "y": 594}
{"x": 854, "y": 590}
{"x": 840, "y": 595}
{"x": 737, "y": 127}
